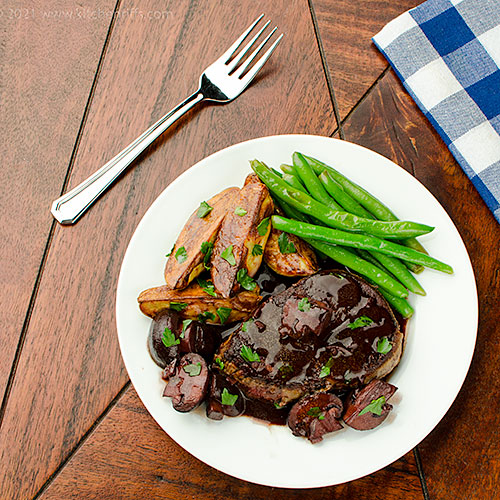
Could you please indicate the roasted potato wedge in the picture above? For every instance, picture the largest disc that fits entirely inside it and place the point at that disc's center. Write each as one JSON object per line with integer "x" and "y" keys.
{"x": 302, "y": 262}
{"x": 186, "y": 260}
{"x": 238, "y": 236}
{"x": 251, "y": 178}
{"x": 193, "y": 301}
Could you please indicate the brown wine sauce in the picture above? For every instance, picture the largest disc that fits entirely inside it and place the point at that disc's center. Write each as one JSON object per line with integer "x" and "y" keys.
{"x": 270, "y": 284}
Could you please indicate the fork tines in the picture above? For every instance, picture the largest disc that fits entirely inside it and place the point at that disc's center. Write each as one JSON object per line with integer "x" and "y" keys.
{"x": 231, "y": 60}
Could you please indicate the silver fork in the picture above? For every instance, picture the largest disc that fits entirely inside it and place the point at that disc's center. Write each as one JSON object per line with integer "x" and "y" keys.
{"x": 222, "y": 81}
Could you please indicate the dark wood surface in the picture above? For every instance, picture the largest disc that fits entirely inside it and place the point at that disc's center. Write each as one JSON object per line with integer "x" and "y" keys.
{"x": 43, "y": 99}
{"x": 71, "y": 425}
{"x": 346, "y": 28}
{"x": 120, "y": 464}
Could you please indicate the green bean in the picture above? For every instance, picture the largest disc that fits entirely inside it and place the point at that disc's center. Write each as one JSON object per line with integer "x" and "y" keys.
{"x": 415, "y": 245}
{"x": 400, "y": 271}
{"x": 294, "y": 182}
{"x": 278, "y": 173}
{"x": 365, "y": 254}
{"x": 414, "y": 268}
{"x": 361, "y": 195}
{"x": 369, "y": 256}
{"x": 397, "y": 303}
{"x": 288, "y": 169}
{"x": 335, "y": 190}
{"x": 366, "y": 199}
{"x": 347, "y": 258}
{"x": 312, "y": 183}
{"x": 351, "y": 205}
{"x": 393, "y": 267}
{"x": 341, "y": 220}
{"x": 291, "y": 212}
{"x": 295, "y": 214}
{"x": 364, "y": 241}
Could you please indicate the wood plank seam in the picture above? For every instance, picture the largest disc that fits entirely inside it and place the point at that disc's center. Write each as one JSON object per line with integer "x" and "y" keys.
{"x": 36, "y": 286}
{"x": 84, "y": 438}
{"x": 366, "y": 94}
{"x": 90, "y": 98}
{"x": 396, "y": 470}
{"x": 416, "y": 453}
{"x": 421, "y": 474}
{"x": 24, "y": 328}
{"x": 326, "y": 71}
{"x": 340, "y": 123}
{"x": 159, "y": 106}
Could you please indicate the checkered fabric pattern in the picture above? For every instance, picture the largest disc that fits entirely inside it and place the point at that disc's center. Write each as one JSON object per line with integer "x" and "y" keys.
{"x": 447, "y": 54}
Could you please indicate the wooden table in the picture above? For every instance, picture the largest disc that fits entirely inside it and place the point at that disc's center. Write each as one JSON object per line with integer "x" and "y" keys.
{"x": 78, "y": 85}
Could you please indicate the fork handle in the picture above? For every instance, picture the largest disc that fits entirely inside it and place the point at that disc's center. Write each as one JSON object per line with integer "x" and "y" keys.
{"x": 71, "y": 206}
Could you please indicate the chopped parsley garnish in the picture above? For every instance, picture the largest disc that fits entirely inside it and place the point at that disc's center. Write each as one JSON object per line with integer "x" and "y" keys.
{"x": 240, "y": 211}
{"x": 304, "y": 305}
{"x": 219, "y": 362}
{"x": 193, "y": 369}
{"x": 207, "y": 286}
{"x": 178, "y": 306}
{"x": 384, "y": 346}
{"x": 257, "y": 250}
{"x": 206, "y": 315}
{"x": 228, "y": 255}
{"x": 227, "y": 398}
{"x": 315, "y": 411}
{"x": 223, "y": 313}
{"x": 204, "y": 209}
{"x": 248, "y": 355}
{"x": 170, "y": 253}
{"x": 168, "y": 338}
{"x": 206, "y": 250}
{"x": 244, "y": 326}
{"x": 325, "y": 369}
{"x": 185, "y": 325}
{"x": 263, "y": 226}
{"x": 359, "y": 322}
{"x": 285, "y": 370}
{"x": 375, "y": 406}
{"x": 181, "y": 255}
{"x": 244, "y": 280}
{"x": 278, "y": 406}
{"x": 286, "y": 246}
{"x": 206, "y": 246}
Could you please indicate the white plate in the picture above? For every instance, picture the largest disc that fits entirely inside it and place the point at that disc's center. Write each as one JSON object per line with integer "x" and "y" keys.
{"x": 441, "y": 336}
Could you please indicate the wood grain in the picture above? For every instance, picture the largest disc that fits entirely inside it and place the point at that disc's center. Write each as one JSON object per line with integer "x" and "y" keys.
{"x": 70, "y": 367}
{"x": 461, "y": 457}
{"x": 47, "y": 66}
{"x": 128, "y": 456}
{"x": 346, "y": 29}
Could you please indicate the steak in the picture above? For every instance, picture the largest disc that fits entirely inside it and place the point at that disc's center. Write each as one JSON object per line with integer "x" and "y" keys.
{"x": 329, "y": 331}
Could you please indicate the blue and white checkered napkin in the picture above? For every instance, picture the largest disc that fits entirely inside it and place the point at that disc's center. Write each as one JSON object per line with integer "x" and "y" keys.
{"x": 447, "y": 54}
